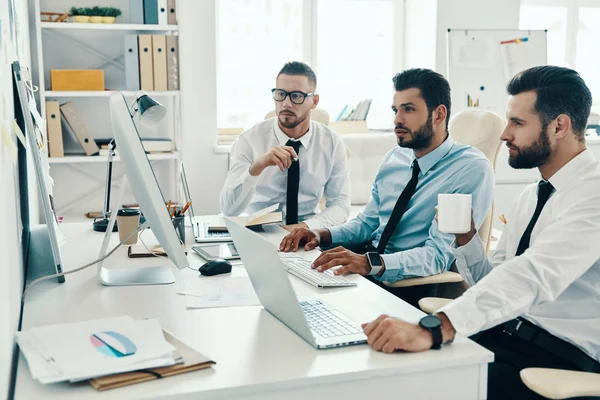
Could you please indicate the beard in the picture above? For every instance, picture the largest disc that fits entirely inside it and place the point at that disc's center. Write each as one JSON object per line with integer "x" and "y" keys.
{"x": 419, "y": 139}
{"x": 533, "y": 156}
{"x": 290, "y": 120}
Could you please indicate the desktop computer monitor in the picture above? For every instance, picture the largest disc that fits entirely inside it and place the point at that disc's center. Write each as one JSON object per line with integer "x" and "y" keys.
{"x": 143, "y": 183}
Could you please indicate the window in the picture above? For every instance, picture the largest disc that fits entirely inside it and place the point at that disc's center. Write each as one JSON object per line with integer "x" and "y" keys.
{"x": 256, "y": 37}
{"x": 355, "y": 56}
{"x": 573, "y": 32}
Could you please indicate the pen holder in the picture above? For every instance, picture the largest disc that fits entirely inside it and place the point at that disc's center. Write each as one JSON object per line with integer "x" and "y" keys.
{"x": 179, "y": 224}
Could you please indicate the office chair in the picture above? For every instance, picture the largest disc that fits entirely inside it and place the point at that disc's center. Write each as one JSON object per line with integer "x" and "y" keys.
{"x": 482, "y": 130}
{"x": 547, "y": 382}
{"x": 317, "y": 114}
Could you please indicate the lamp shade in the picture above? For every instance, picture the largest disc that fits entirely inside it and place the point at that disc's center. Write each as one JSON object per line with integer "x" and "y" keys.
{"x": 151, "y": 111}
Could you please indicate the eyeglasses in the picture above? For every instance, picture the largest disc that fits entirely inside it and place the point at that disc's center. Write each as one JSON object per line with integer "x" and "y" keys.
{"x": 296, "y": 97}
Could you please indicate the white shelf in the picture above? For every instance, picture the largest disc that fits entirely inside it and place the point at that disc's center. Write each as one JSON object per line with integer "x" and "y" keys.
{"x": 107, "y": 27}
{"x": 106, "y": 93}
{"x": 103, "y": 159}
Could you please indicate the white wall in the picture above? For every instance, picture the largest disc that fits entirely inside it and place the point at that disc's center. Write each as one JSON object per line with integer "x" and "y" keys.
{"x": 420, "y": 19}
{"x": 197, "y": 49}
{"x": 472, "y": 14}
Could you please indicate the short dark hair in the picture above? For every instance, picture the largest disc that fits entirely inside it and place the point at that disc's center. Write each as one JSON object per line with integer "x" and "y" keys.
{"x": 559, "y": 91}
{"x": 299, "y": 68}
{"x": 435, "y": 89}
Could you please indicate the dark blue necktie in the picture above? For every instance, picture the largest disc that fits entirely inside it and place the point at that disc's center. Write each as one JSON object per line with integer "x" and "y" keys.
{"x": 399, "y": 208}
{"x": 293, "y": 184}
{"x": 544, "y": 190}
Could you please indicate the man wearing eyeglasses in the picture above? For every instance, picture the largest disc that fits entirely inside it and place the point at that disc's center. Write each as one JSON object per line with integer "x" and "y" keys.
{"x": 290, "y": 160}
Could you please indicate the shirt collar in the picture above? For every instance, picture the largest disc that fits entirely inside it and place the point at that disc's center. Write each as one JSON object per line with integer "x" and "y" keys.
{"x": 572, "y": 169}
{"x": 430, "y": 159}
{"x": 282, "y": 138}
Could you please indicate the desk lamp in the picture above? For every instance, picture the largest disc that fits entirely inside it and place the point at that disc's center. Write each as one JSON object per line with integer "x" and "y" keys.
{"x": 151, "y": 112}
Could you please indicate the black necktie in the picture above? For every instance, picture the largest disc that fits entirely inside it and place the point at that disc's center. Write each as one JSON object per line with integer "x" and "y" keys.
{"x": 544, "y": 190}
{"x": 293, "y": 183}
{"x": 399, "y": 208}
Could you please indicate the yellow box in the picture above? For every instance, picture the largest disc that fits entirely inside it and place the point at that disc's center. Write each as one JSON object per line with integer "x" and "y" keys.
{"x": 77, "y": 79}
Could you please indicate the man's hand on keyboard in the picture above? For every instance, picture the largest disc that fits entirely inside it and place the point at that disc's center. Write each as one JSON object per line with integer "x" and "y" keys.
{"x": 305, "y": 237}
{"x": 351, "y": 263}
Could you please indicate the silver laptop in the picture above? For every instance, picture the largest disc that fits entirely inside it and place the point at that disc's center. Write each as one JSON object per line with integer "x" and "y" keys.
{"x": 314, "y": 321}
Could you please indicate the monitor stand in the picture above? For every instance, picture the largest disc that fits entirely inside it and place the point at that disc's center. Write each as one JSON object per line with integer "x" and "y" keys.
{"x": 134, "y": 275}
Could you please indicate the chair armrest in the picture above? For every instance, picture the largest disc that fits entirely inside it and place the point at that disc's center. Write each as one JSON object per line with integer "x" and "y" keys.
{"x": 432, "y": 304}
{"x": 444, "y": 277}
{"x": 560, "y": 383}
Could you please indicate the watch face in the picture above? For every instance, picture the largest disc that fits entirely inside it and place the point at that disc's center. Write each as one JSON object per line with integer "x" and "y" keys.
{"x": 374, "y": 259}
{"x": 430, "y": 322}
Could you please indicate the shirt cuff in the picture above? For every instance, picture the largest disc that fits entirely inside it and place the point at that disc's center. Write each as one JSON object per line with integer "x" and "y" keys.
{"x": 392, "y": 268}
{"x": 464, "y": 315}
{"x": 313, "y": 223}
{"x": 471, "y": 253}
{"x": 336, "y": 235}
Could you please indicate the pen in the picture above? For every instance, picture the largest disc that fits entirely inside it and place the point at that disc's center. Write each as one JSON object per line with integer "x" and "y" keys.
{"x": 169, "y": 207}
{"x": 502, "y": 218}
{"x": 173, "y": 212}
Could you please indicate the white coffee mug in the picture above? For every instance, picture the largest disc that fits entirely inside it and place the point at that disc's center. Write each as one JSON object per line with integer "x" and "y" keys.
{"x": 454, "y": 213}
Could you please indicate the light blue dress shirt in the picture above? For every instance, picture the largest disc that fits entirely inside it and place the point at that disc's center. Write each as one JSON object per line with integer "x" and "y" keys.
{"x": 417, "y": 248}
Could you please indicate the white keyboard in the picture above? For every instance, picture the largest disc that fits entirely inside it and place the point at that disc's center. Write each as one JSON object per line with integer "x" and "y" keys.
{"x": 300, "y": 267}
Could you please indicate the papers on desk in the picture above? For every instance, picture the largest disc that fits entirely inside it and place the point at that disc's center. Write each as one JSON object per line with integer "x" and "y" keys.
{"x": 219, "y": 291}
{"x": 82, "y": 350}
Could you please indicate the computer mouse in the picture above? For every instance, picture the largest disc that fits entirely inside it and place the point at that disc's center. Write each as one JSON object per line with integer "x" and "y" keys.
{"x": 215, "y": 267}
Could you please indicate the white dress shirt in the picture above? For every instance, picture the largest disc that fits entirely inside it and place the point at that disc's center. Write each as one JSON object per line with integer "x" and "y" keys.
{"x": 555, "y": 283}
{"x": 324, "y": 171}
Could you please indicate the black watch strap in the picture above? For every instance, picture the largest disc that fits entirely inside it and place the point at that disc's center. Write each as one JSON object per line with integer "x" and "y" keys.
{"x": 436, "y": 333}
{"x": 434, "y": 325}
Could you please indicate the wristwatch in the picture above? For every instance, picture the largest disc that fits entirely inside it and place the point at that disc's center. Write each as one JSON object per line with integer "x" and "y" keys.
{"x": 375, "y": 262}
{"x": 434, "y": 325}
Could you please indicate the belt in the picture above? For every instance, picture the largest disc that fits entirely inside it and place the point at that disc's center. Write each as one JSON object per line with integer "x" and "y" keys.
{"x": 531, "y": 333}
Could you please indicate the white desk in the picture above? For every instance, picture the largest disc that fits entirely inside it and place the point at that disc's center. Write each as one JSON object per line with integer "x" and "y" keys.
{"x": 257, "y": 356}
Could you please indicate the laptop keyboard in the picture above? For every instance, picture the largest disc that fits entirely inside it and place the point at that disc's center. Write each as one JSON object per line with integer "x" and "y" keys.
{"x": 300, "y": 267}
{"x": 326, "y": 321}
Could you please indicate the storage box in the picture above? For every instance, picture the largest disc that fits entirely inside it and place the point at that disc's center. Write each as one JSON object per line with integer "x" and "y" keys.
{"x": 77, "y": 79}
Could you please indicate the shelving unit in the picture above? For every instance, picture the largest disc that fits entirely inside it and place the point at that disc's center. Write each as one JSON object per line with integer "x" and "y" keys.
{"x": 106, "y": 93}
{"x": 79, "y": 180}
{"x": 103, "y": 159}
{"x": 108, "y": 27}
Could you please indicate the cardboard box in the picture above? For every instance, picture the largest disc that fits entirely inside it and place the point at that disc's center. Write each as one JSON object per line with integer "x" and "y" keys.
{"x": 77, "y": 79}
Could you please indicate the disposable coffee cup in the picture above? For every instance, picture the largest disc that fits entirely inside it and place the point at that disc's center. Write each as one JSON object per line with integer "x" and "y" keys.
{"x": 128, "y": 220}
{"x": 454, "y": 213}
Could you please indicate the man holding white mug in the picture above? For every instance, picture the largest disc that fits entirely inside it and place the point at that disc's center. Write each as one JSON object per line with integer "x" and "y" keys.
{"x": 536, "y": 301}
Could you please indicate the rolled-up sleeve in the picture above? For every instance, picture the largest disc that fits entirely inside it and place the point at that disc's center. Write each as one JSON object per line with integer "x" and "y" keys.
{"x": 239, "y": 185}
{"x": 336, "y": 192}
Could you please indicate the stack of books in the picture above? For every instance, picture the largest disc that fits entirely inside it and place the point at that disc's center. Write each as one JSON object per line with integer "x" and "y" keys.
{"x": 227, "y": 136}
{"x": 359, "y": 113}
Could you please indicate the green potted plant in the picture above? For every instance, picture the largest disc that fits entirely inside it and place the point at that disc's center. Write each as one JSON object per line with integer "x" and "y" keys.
{"x": 110, "y": 15}
{"x": 96, "y": 14}
{"x": 79, "y": 14}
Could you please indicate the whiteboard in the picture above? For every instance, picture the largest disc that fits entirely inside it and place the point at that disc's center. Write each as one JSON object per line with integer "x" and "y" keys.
{"x": 481, "y": 62}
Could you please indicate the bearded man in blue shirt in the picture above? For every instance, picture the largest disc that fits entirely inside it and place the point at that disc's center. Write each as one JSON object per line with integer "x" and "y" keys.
{"x": 397, "y": 227}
